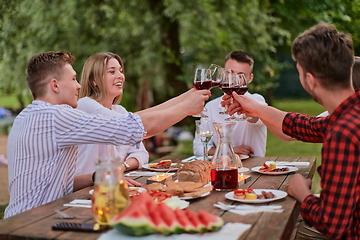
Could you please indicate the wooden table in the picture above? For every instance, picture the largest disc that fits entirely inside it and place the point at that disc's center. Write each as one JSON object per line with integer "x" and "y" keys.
{"x": 36, "y": 223}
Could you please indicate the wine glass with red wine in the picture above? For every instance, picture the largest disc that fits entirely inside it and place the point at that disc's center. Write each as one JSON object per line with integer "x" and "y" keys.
{"x": 202, "y": 80}
{"x": 216, "y": 72}
{"x": 233, "y": 82}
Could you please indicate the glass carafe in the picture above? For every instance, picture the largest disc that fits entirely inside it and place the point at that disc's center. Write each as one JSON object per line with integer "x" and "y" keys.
{"x": 110, "y": 195}
{"x": 224, "y": 172}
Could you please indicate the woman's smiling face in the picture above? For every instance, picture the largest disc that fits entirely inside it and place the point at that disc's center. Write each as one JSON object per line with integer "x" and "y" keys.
{"x": 114, "y": 78}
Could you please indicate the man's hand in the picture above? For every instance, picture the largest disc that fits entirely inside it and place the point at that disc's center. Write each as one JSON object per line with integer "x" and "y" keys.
{"x": 132, "y": 183}
{"x": 299, "y": 187}
{"x": 244, "y": 150}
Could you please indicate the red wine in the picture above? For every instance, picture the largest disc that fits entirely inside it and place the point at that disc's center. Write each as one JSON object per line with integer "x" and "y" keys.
{"x": 241, "y": 90}
{"x": 238, "y": 90}
{"x": 228, "y": 90}
{"x": 215, "y": 84}
{"x": 200, "y": 85}
{"x": 224, "y": 179}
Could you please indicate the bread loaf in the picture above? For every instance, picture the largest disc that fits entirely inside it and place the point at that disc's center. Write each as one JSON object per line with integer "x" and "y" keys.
{"x": 195, "y": 171}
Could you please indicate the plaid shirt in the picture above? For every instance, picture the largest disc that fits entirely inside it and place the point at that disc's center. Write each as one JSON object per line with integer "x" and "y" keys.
{"x": 336, "y": 213}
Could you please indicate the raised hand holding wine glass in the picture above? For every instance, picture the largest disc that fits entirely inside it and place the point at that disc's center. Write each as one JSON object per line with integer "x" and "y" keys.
{"x": 237, "y": 83}
{"x": 205, "y": 132}
{"x": 202, "y": 80}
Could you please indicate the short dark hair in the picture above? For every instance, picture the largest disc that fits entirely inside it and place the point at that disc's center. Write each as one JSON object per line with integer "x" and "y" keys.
{"x": 356, "y": 73}
{"x": 44, "y": 66}
{"x": 325, "y": 53}
{"x": 240, "y": 56}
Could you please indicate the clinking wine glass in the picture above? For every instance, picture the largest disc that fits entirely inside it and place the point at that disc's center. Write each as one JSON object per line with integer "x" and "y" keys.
{"x": 216, "y": 72}
{"x": 202, "y": 80}
{"x": 204, "y": 131}
{"x": 233, "y": 82}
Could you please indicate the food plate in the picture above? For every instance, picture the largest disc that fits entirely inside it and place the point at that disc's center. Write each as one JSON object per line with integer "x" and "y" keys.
{"x": 176, "y": 202}
{"x": 243, "y": 157}
{"x": 279, "y": 195}
{"x": 291, "y": 169}
{"x": 243, "y": 169}
{"x": 139, "y": 189}
{"x": 189, "y": 198}
{"x": 146, "y": 166}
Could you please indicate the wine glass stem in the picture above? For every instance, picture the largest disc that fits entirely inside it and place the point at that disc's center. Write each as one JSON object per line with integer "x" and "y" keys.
{"x": 205, "y": 152}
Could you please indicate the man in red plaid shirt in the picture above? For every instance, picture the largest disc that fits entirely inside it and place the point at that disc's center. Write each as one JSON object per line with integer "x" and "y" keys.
{"x": 325, "y": 58}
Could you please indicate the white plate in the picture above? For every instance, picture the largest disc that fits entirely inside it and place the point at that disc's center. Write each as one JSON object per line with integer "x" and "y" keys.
{"x": 139, "y": 189}
{"x": 243, "y": 157}
{"x": 189, "y": 198}
{"x": 279, "y": 195}
{"x": 146, "y": 166}
{"x": 291, "y": 169}
{"x": 176, "y": 202}
{"x": 243, "y": 169}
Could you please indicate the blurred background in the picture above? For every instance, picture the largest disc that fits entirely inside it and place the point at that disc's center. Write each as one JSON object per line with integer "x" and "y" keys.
{"x": 162, "y": 42}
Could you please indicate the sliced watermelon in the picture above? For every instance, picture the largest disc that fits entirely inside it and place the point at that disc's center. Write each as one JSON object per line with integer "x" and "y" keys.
{"x": 184, "y": 220}
{"x": 212, "y": 222}
{"x": 194, "y": 219}
{"x": 135, "y": 223}
{"x": 135, "y": 219}
{"x": 169, "y": 218}
{"x": 157, "y": 219}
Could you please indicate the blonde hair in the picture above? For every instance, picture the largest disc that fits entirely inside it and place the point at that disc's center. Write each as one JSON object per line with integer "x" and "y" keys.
{"x": 92, "y": 75}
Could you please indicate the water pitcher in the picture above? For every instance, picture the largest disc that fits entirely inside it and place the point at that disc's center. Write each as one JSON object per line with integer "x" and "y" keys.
{"x": 224, "y": 172}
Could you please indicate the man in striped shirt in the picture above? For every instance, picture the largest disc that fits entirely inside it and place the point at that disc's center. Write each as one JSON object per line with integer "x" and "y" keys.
{"x": 325, "y": 58}
{"x": 42, "y": 144}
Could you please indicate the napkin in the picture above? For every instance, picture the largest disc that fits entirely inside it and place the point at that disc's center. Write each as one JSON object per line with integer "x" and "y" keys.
{"x": 230, "y": 231}
{"x": 79, "y": 203}
{"x": 248, "y": 211}
{"x": 144, "y": 173}
{"x": 289, "y": 163}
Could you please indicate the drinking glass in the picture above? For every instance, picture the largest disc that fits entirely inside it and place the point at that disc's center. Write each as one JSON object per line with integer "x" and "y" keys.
{"x": 110, "y": 195}
{"x": 204, "y": 132}
{"x": 237, "y": 83}
{"x": 202, "y": 80}
{"x": 216, "y": 72}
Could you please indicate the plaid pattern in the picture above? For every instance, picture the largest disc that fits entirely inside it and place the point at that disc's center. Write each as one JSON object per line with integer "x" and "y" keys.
{"x": 336, "y": 213}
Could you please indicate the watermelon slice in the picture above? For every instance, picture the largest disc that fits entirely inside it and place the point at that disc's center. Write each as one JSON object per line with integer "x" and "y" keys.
{"x": 169, "y": 218}
{"x": 212, "y": 222}
{"x": 135, "y": 223}
{"x": 157, "y": 219}
{"x": 184, "y": 221}
{"x": 135, "y": 219}
{"x": 143, "y": 217}
{"x": 194, "y": 219}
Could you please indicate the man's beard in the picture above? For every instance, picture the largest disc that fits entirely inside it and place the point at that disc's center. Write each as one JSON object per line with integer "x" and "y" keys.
{"x": 311, "y": 93}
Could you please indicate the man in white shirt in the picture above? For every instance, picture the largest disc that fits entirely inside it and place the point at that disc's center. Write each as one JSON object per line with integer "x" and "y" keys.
{"x": 42, "y": 145}
{"x": 249, "y": 136}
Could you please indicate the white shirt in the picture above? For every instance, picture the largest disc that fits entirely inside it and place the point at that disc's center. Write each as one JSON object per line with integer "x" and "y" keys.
{"x": 89, "y": 153}
{"x": 42, "y": 150}
{"x": 245, "y": 133}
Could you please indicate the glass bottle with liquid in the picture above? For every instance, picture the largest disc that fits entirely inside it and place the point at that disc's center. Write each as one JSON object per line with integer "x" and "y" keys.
{"x": 224, "y": 172}
{"x": 110, "y": 195}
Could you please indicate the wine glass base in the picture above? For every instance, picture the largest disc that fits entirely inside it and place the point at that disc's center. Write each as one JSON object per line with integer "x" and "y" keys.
{"x": 201, "y": 115}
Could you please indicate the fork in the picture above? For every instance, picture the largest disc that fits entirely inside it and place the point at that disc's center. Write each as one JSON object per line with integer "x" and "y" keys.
{"x": 66, "y": 216}
{"x": 244, "y": 207}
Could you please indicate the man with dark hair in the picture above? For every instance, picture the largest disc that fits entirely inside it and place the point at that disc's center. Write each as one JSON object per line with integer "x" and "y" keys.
{"x": 249, "y": 136}
{"x": 325, "y": 58}
{"x": 42, "y": 145}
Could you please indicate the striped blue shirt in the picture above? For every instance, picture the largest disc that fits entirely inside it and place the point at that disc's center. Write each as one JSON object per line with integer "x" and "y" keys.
{"x": 42, "y": 149}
